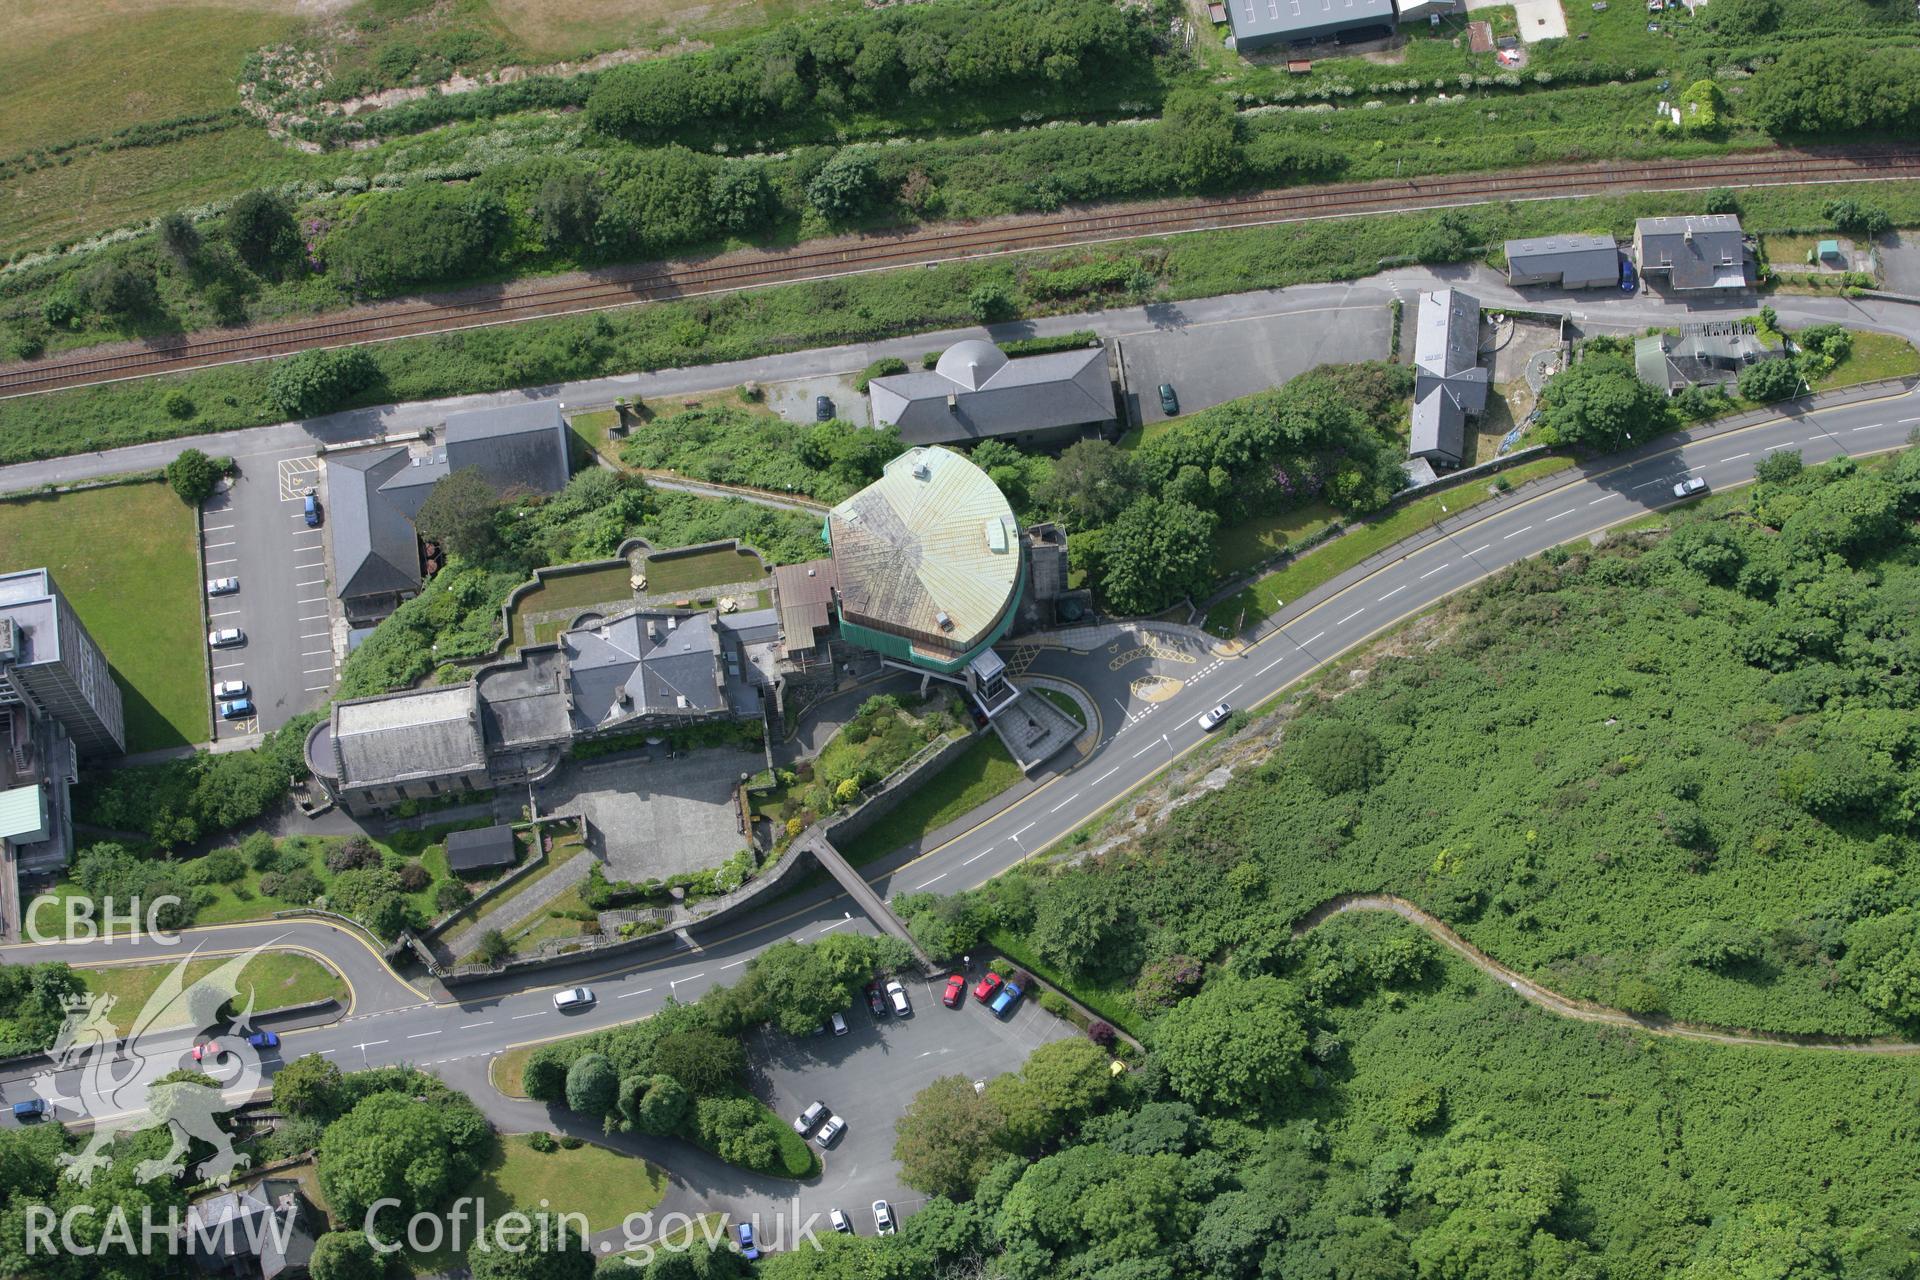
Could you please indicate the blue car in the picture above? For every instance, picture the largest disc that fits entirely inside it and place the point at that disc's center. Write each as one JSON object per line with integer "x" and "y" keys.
{"x": 747, "y": 1249}
{"x": 1003, "y": 1003}
{"x": 264, "y": 1040}
{"x": 31, "y": 1109}
{"x": 236, "y": 709}
{"x": 1629, "y": 279}
{"x": 312, "y": 510}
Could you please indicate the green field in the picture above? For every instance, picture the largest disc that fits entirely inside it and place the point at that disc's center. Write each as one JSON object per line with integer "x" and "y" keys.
{"x": 128, "y": 559}
{"x": 274, "y": 980}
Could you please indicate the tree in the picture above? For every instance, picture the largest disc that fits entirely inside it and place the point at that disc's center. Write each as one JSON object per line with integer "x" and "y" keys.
{"x": 391, "y": 1146}
{"x": 259, "y": 225}
{"x": 1745, "y": 18}
{"x": 1060, "y": 1086}
{"x": 1770, "y": 380}
{"x": 307, "y": 1086}
{"x": 459, "y": 515}
{"x": 945, "y": 1140}
{"x": 1157, "y": 551}
{"x": 422, "y": 234}
{"x": 192, "y": 475}
{"x": 658, "y": 199}
{"x": 659, "y": 1105}
{"x": 1085, "y": 925}
{"x": 593, "y": 1087}
{"x": 178, "y": 236}
{"x": 1092, "y": 481}
{"x": 315, "y": 382}
{"x": 736, "y": 1129}
{"x": 1236, "y": 1046}
{"x": 1200, "y": 134}
{"x": 118, "y": 288}
{"x": 989, "y": 304}
{"x": 704, "y": 1061}
{"x": 565, "y": 1258}
{"x": 1338, "y": 756}
{"x": 1601, "y": 403}
{"x": 742, "y": 200}
{"x": 846, "y": 186}
{"x": 545, "y": 1076}
{"x": 1782, "y": 466}
{"x": 345, "y": 1255}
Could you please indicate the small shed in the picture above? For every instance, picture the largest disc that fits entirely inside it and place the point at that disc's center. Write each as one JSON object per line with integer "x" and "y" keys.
{"x": 1829, "y": 251}
{"x": 477, "y": 852}
{"x": 1217, "y": 13}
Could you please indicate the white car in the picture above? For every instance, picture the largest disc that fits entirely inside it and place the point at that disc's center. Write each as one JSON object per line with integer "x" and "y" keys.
{"x": 1692, "y": 486}
{"x": 1211, "y": 720}
{"x": 829, "y": 1131}
{"x": 226, "y": 638}
{"x": 222, "y": 586}
{"x": 804, "y": 1122}
{"x": 839, "y": 1024}
{"x": 572, "y": 998}
{"x": 883, "y": 1217}
{"x": 897, "y": 997}
{"x": 229, "y": 689}
{"x": 840, "y": 1221}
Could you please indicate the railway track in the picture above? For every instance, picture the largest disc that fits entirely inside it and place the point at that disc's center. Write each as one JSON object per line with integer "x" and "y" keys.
{"x": 748, "y": 269}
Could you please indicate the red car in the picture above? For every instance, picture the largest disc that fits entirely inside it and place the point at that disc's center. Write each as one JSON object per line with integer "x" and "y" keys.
{"x": 987, "y": 987}
{"x": 956, "y": 991}
{"x": 208, "y": 1052}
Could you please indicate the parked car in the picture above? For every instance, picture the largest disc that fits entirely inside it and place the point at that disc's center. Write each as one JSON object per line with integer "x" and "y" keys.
{"x": 813, "y": 1115}
{"x": 883, "y": 1217}
{"x": 1691, "y": 487}
{"x": 573, "y": 998}
{"x": 1629, "y": 278}
{"x": 31, "y": 1109}
{"x": 236, "y": 708}
{"x": 897, "y": 995}
{"x": 230, "y": 689}
{"x": 226, "y": 637}
{"x": 822, "y": 409}
{"x": 956, "y": 991}
{"x": 264, "y": 1040}
{"x": 312, "y": 509}
{"x": 987, "y": 988}
{"x": 1169, "y": 402}
{"x": 876, "y": 1003}
{"x": 832, "y": 1129}
{"x": 840, "y": 1221}
{"x": 1213, "y": 719}
{"x": 747, "y": 1249}
{"x": 207, "y": 1051}
{"x": 222, "y": 586}
{"x": 839, "y": 1024}
{"x": 1003, "y": 1003}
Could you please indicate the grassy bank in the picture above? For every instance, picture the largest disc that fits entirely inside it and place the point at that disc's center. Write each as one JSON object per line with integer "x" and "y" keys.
{"x": 970, "y": 779}
{"x": 272, "y": 980}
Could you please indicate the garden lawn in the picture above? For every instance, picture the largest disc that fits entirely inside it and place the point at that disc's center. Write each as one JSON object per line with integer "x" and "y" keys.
{"x": 127, "y": 558}
{"x": 970, "y": 779}
{"x": 1874, "y": 356}
{"x": 1242, "y": 546}
{"x": 499, "y": 910}
{"x": 274, "y": 979}
{"x": 703, "y": 569}
{"x": 1324, "y": 563}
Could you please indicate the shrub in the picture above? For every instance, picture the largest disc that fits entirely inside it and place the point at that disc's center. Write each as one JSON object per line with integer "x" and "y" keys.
{"x": 260, "y": 227}
{"x": 451, "y": 895}
{"x": 543, "y": 1143}
{"x": 414, "y": 877}
{"x": 298, "y": 887}
{"x": 419, "y": 234}
{"x": 192, "y": 474}
{"x": 493, "y": 947}
{"x": 1769, "y": 381}
{"x": 846, "y": 186}
{"x": 177, "y": 404}
{"x": 315, "y": 382}
{"x": 352, "y": 854}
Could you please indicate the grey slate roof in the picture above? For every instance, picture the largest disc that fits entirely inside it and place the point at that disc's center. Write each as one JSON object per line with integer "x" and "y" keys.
{"x": 1703, "y": 354}
{"x": 374, "y": 547}
{"x": 1575, "y": 260}
{"x": 994, "y": 395}
{"x": 476, "y": 850}
{"x": 1263, "y": 20}
{"x": 1704, "y": 251}
{"x": 424, "y": 733}
{"x": 1448, "y": 383}
{"x": 516, "y": 446}
{"x": 644, "y": 663}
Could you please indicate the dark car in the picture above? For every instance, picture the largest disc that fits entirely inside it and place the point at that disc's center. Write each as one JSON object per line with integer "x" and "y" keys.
{"x": 822, "y": 409}
{"x": 876, "y": 1000}
{"x": 264, "y": 1040}
{"x": 1629, "y": 279}
{"x": 747, "y": 1247}
{"x": 31, "y": 1109}
{"x": 312, "y": 509}
{"x": 1169, "y": 402}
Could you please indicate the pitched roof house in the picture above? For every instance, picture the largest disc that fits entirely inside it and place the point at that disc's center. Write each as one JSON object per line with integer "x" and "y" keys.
{"x": 977, "y": 392}
{"x": 1448, "y": 383}
{"x": 1699, "y": 251}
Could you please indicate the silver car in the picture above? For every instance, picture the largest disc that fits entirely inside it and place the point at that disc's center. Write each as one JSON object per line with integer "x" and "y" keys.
{"x": 226, "y": 637}
{"x": 222, "y": 586}
{"x": 804, "y": 1122}
{"x": 1212, "y": 719}
{"x": 883, "y": 1218}
{"x": 1691, "y": 487}
{"x": 828, "y": 1132}
{"x": 572, "y": 998}
{"x": 225, "y": 689}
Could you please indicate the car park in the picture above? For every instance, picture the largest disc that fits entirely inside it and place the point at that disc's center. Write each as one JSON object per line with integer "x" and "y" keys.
{"x": 832, "y": 1129}
{"x": 1211, "y": 720}
{"x": 311, "y": 509}
{"x": 264, "y": 1040}
{"x": 573, "y": 998}
{"x": 813, "y": 1115}
{"x": 236, "y": 708}
{"x": 840, "y": 1221}
{"x": 897, "y": 995}
{"x": 876, "y": 1002}
{"x": 1004, "y": 1002}
{"x": 226, "y": 637}
{"x": 222, "y": 586}
{"x": 225, "y": 689}
{"x": 1691, "y": 487}
{"x": 1169, "y": 402}
{"x": 883, "y": 1218}
{"x": 956, "y": 991}
{"x": 747, "y": 1248}
{"x": 987, "y": 988}
{"x": 839, "y": 1024}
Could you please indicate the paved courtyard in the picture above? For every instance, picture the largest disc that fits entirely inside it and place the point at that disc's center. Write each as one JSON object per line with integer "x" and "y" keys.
{"x": 1210, "y": 363}
{"x": 657, "y": 816}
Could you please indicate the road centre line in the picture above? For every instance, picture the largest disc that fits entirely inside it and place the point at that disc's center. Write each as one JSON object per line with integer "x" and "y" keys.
{"x": 628, "y": 995}
{"x": 1477, "y": 550}
{"x": 471, "y": 1025}
{"x": 1064, "y": 803}
{"x": 1310, "y": 639}
{"x": 1602, "y": 498}
{"x": 1437, "y": 568}
{"x": 1350, "y": 617}
{"x": 422, "y": 1035}
{"x": 924, "y": 883}
{"x": 536, "y": 1013}
{"x": 1869, "y": 427}
{"x": 1788, "y": 445}
{"x": 1516, "y": 533}
{"x": 732, "y": 965}
{"x": 1022, "y": 831}
{"x": 1109, "y": 773}
{"x": 677, "y": 981}
{"x": 1391, "y": 594}
{"x": 976, "y": 857}
{"x": 1736, "y": 457}
{"x": 1271, "y": 665}
{"x": 1567, "y": 512}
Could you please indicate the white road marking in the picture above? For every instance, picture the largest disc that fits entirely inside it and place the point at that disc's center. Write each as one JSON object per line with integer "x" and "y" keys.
{"x": 1597, "y": 501}
{"x": 471, "y": 1025}
{"x": 1270, "y": 666}
{"x": 311, "y": 582}
{"x": 1907, "y": 420}
{"x": 316, "y": 653}
{"x": 217, "y": 528}
{"x": 1736, "y": 457}
{"x": 1022, "y": 831}
{"x": 677, "y": 981}
{"x": 628, "y": 995}
{"x": 230, "y": 613}
{"x": 1237, "y": 688}
{"x": 1661, "y": 480}
{"x": 369, "y": 1044}
{"x": 1391, "y": 594}
{"x": 314, "y": 671}
{"x": 215, "y": 546}
{"x": 817, "y": 932}
{"x": 1517, "y": 532}
{"x": 1109, "y": 773}
{"x": 1064, "y": 803}
{"x": 1437, "y": 568}
{"x": 1567, "y": 512}
{"x": 1869, "y": 427}
{"x": 924, "y": 883}
{"x": 969, "y": 862}
{"x": 1310, "y": 639}
{"x": 1350, "y": 617}
{"x": 735, "y": 964}
{"x": 212, "y": 563}
{"x": 422, "y": 1035}
{"x": 536, "y": 1013}
{"x": 228, "y": 666}
{"x": 1787, "y": 445}
{"x": 316, "y": 688}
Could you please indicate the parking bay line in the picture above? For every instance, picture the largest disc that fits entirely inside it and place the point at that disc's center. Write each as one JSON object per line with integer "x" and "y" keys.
{"x": 215, "y": 546}
{"x": 234, "y": 560}
{"x": 230, "y": 613}
{"x": 228, "y": 666}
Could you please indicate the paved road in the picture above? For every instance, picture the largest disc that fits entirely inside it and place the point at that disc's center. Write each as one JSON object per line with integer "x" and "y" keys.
{"x": 1138, "y": 740}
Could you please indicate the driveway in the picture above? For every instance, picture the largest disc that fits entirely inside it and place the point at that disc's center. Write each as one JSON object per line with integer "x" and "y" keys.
{"x": 1900, "y": 262}
{"x": 1538, "y": 19}
{"x": 256, "y": 531}
{"x": 1213, "y": 361}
